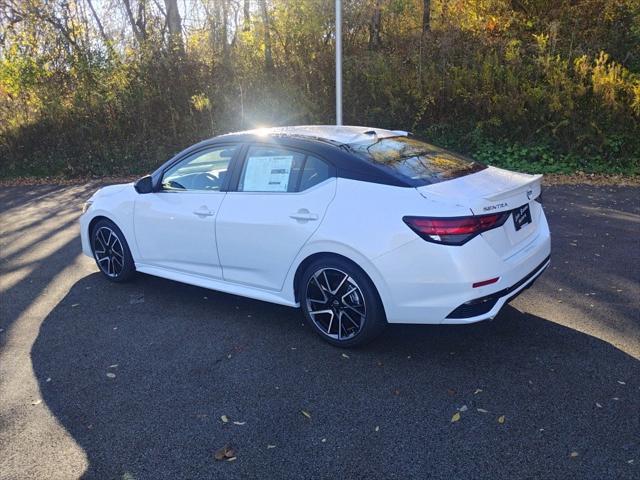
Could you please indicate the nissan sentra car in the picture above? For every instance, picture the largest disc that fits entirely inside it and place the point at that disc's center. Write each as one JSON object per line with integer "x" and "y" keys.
{"x": 357, "y": 226}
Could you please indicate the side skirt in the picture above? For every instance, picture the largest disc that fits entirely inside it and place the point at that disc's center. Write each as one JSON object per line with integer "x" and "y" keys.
{"x": 219, "y": 285}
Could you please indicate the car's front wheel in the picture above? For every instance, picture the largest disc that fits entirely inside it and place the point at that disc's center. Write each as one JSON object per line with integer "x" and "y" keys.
{"x": 341, "y": 303}
{"x": 111, "y": 251}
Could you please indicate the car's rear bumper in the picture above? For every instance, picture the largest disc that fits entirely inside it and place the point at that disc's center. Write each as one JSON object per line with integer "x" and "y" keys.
{"x": 487, "y": 307}
{"x": 425, "y": 283}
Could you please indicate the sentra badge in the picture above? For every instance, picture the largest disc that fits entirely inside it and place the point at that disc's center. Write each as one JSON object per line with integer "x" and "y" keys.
{"x": 495, "y": 207}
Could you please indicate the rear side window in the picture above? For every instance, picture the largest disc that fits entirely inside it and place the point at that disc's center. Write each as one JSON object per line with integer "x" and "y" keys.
{"x": 420, "y": 161}
{"x": 276, "y": 169}
{"x": 315, "y": 171}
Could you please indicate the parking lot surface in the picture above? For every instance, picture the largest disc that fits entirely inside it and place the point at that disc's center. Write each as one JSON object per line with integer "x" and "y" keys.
{"x": 135, "y": 381}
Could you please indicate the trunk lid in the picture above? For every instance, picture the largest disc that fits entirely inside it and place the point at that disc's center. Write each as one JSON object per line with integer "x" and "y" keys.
{"x": 495, "y": 190}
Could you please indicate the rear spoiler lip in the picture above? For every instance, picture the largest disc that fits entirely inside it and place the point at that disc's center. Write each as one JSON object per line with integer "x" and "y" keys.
{"x": 510, "y": 192}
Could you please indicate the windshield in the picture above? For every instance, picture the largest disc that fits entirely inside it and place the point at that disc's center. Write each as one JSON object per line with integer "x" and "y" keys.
{"x": 420, "y": 161}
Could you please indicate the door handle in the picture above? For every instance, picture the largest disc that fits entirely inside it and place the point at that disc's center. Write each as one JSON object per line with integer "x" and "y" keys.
{"x": 304, "y": 215}
{"x": 203, "y": 213}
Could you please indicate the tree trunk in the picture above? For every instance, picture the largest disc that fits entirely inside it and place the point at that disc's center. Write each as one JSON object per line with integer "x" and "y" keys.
{"x": 374, "y": 27}
{"x": 174, "y": 24}
{"x": 247, "y": 16}
{"x": 138, "y": 32}
{"x": 268, "y": 57}
{"x": 426, "y": 16}
{"x": 224, "y": 31}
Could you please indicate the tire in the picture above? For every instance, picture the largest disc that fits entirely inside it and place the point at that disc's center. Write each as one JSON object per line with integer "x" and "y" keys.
{"x": 341, "y": 303}
{"x": 111, "y": 251}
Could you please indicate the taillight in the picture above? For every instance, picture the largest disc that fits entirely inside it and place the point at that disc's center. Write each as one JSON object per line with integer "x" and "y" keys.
{"x": 454, "y": 230}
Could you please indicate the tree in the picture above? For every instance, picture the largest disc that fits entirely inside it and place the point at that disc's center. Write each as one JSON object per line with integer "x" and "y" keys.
{"x": 266, "y": 21}
{"x": 174, "y": 25}
{"x": 426, "y": 16}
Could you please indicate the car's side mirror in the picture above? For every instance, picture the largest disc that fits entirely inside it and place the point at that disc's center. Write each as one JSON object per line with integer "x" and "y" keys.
{"x": 144, "y": 184}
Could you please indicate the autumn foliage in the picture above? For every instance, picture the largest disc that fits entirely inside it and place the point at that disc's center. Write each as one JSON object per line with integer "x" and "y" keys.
{"x": 117, "y": 86}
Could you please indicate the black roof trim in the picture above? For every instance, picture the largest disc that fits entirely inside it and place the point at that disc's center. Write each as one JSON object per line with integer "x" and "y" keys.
{"x": 347, "y": 164}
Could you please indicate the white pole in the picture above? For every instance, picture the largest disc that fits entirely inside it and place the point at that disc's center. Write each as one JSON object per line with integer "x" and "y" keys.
{"x": 338, "y": 62}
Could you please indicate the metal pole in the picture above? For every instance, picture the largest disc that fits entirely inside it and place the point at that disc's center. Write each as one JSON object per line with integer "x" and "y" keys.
{"x": 338, "y": 62}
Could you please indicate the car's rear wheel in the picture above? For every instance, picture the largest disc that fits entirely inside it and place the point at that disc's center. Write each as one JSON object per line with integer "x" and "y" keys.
{"x": 341, "y": 303}
{"x": 111, "y": 251}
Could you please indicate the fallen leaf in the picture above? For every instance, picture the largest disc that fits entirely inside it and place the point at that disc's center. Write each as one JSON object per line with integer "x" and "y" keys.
{"x": 344, "y": 355}
{"x": 75, "y": 305}
{"x": 456, "y": 417}
{"x": 271, "y": 446}
{"x": 224, "y": 418}
{"x": 48, "y": 379}
{"x": 501, "y": 419}
{"x": 574, "y": 454}
{"x": 396, "y": 392}
{"x": 463, "y": 408}
{"x": 324, "y": 440}
{"x": 231, "y": 459}
{"x": 36, "y": 402}
{"x": 482, "y": 410}
{"x": 111, "y": 375}
{"x": 478, "y": 390}
{"x": 305, "y": 413}
{"x": 630, "y": 461}
{"x": 115, "y": 365}
{"x": 621, "y": 382}
{"x": 377, "y": 429}
{"x": 598, "y": 405}
{"x": 239, "y": 423}
{"x": 136, "y": 299}
{"x": 226, "y": 452}
{"x": 451, "y": 392}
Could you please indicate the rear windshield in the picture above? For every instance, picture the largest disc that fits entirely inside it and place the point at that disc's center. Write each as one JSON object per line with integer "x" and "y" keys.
{"x": 420, "y": 161}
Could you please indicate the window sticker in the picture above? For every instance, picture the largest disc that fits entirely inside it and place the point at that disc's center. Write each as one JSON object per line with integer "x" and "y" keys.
{"x": 267, "y": 174}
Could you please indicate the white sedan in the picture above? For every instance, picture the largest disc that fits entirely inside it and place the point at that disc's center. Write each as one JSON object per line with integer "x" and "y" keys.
{"x": 358, "y": 226}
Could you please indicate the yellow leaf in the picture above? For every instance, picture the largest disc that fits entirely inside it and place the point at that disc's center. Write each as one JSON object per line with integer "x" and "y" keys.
{"x": 305, "y": 413}
{"x": 456, "y": 417}
{"x": 501, "y": 419}
{"x": 224, "y": 419}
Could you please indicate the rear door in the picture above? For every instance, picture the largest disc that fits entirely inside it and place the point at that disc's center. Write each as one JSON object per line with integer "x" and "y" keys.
{"x": 175, "y": 227}
{"x": 281, "y": 197}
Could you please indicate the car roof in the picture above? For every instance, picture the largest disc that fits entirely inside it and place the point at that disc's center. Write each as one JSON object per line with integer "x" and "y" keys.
{"x": 340, "y": 134}
{"x": 327, "y": 141}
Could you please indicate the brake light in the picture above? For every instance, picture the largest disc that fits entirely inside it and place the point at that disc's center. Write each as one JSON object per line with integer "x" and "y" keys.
{"x": 454, "y": 230}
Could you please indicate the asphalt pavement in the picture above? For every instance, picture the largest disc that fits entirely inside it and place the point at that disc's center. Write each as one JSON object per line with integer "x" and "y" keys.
{"x": 135, "y": 381}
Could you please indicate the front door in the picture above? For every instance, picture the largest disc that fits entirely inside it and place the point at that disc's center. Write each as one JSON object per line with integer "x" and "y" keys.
{"x": 175, "y": 227}
{"x": 281, "y": 198}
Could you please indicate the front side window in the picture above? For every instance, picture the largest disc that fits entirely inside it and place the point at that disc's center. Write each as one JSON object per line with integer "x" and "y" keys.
{"x": 420, "y": 161}
{"x": 202, "y": 171}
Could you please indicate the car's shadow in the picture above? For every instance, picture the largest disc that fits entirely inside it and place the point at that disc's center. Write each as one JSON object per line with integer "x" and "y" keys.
{"x": 140, "y": 375}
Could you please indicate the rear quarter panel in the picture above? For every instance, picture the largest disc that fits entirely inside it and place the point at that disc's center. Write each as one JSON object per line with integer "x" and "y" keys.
{"x": 364, "y": 222}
